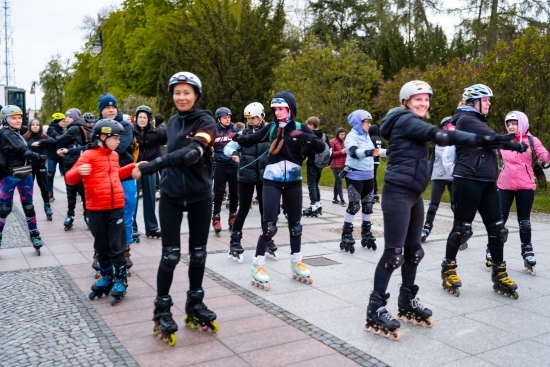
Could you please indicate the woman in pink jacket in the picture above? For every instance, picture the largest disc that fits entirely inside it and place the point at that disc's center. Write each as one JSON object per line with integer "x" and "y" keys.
{"x": 517, "y": 180}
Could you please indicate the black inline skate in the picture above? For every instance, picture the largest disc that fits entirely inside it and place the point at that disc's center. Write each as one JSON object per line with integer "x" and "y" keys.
{"x": 102, "y": 286}
{"x": 154, "y": 234}
{"x": 367, "y": 238}
{"x": 502, "y": 283}
{"x": 48, "y": 211}
{"x": 216, "y": 223}
{"x": 426, "y": 230}
{"x": 272, "y": 249}
{"x": 312, "y": 211}
{"x": 347, "y": 243}
{"x": 379, "y": 319}
{"x": 96, "y": 267}
{"x": 120, "y": 284}
{"x": 488, "y": 259}
{"x": 136, "y": 237}
{"x": 36, "y": 241}
{"x": 198, "y": 315}
{"x": 451, "y": 281}
{"x": 231, "y": 221}
{"x": 68, "y": 223}
{"x": 164, "y": 325}
{"x": 410, "y": 308}
{"x": 129, "y": 262}
{"x": 529, "y": 258}
{"x": 235, "y": 248}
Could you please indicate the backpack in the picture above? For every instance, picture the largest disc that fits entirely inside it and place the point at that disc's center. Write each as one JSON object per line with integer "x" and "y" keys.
{"x": 323, "y": 159}
{"x": 537, "y": 165}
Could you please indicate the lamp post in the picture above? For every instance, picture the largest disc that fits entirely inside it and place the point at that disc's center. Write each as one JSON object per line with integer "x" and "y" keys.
{"x": 33, "y": 92}
{"x": 97, "y": 48}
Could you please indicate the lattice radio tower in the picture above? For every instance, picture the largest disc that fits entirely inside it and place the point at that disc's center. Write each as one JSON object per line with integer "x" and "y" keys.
{"x": 6, "y": 40}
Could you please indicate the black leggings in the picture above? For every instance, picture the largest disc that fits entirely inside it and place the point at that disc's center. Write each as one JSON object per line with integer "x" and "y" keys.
{"x": 41, "y": 175}
{"x": 198, "y": 218}
{"x": 221, "y": 176}
{"x": 403, "y": 211}
{"x": 473, "y": 196}
{"x": 438, "y": 188}
{"x": 246, "y": 192}
{"x": 292, "y": 198}
{"x": 524, "y": 203}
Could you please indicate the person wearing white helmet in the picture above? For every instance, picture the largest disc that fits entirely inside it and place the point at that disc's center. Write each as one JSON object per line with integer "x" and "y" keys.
{"x": 517, "y": 181}
{"x": 186, "y": 186}
{"x": 252, "y": 161}
{"x": 406, "y": 177}
{"x": 475, "y": 190}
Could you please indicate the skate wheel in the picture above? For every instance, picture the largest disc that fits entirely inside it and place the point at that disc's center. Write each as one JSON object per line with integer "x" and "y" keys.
{"x": 275, "y": 256}
{"x": 205, "y": 327}
{"x": 257, "y": 285}
{"x": 342, "y": 247}
{"x": 97, "y": 276}
{"x": 262, "y": 286}
{"x": 129, "y": 273}
{"x": 396, "y": 335}
{"x": 187, "y": 321}
{"x": 429, "y": 322}
{"x": 252, "y": 282}
{"x": 386, "y": 334}
{"x": 218, "y": 234}
{"x": 309, "y": 280}
{"x": 155, "y": 330}
{"x": 367, "y": 327}
{"x": 196, "y": 326}
{"x": 171, "y": 339}
{"x": 377, "y": 331}
{"x": 374, "y": 247}
{"x": 400, "y": 317}
{"x": 294, "y": 276}
{"x": 514, "y": 295}
{"x": 113, "y": 301}
{"x": 456, "y": 292}
{"x": 92, "y": 296}
{"x": 495, "y": 288}
{"x": 352, "y": 250}
{"x": 267, "y": 287}
{"x": 214, "y": 327}
{"x": 38, "y": 251}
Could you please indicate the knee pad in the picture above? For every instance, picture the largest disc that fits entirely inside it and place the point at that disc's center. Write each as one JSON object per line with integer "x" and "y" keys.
{"x": 170, "y": 258}
{"x": 498, "y": 232}
{"x": 5, "y": 209}
{"x": 413, "y": 255}
{"x": 432, "y": 208}
{"x": 353, "y": 207}
{"x": 295, "y": 229}
{"x": 525, "y": 231}
{"x": 367, "y": 207}
{"x": 392, "y": 258}
{"x": 28, "y": 209}
{"x": 461, "y": 233}
{"x": 270, "y": 229}
{"x": 198, "y": 256}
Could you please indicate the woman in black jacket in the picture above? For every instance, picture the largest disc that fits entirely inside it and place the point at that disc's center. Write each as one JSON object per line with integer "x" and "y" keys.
{"x": 149, "y": 139}
{"x": 55, "y": 129}
{"x": 406, "y": 177}
{"x": 475, "y": 190}
{"x": 186, "y": 186}
{"x": 282, "y": 177}
{"x": 252, "y": 162}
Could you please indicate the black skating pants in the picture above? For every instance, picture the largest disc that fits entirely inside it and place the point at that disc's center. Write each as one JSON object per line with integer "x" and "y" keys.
{"x": 437, "y": 190}
{"x": 41, "y": 175}
{"x": 313, "y": 178}
{"x": 246, "y": 193}
{"x": 72, "y": 192}
{"x": 109, "y": 231}
{"x": 524, "y": 204}
{"x": 223, "y": 175}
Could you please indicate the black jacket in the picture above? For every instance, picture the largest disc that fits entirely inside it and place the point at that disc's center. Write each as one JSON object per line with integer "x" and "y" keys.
{"x": 15, "y": 148}
{"x": 74, "y": 136}
{"x": 222, "y": 138}
{"x": 44, "y": 146}
{"x": 252, "y": 159}
{"x": 125, "y": 149}
{"x": 54, "y": 130}
{"x": 189, "y": 184}
{"x": 150, "y": 139}
{"x": 373, "y": 133}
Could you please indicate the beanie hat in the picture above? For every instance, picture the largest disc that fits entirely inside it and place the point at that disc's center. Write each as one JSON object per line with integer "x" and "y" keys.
{"x": 158, "y": 119}
{"x": 107, "y": 100}
{"x": 73, "y": 113}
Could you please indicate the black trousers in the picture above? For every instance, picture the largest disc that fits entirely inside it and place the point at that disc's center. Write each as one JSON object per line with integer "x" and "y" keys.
{"x": 72, "y": 191}
{"x": 223, "y": 175}
{"x": 524, "y": 204}
{"x": 313, "y": 178}
{"x": 41, "y": 175}
{"x": 438, "y": 188}
{"x": 198, "y": 218}
{"x": 246, "y": 193}
{"x": 109, "y": 231}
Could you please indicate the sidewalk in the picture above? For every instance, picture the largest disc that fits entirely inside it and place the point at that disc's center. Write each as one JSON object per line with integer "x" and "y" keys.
{"x": 47, "y": 318}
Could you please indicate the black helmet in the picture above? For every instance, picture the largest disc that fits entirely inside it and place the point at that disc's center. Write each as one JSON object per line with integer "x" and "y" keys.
{"x": 108, "y": 127}
{"x": 445, "y": 121}
{"x": 88, "y": 117}
{"x": 145, "y": 109}
{"x": 222, "y": 111}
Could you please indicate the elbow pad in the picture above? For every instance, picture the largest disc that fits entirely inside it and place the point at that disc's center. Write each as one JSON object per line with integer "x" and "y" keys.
{"x": 150, "y": 167}
{"x": 185, "y": 157}
{"x": 442, "y": 138}
{"x": 353, "y": 152}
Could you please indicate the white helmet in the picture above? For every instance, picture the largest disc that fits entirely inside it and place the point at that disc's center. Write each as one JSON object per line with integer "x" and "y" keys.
{"x": 254, "y": 109}
{"x": 365, "y": 115}
{"x": 476, "y": 91}
{"x": 414, "y": 87}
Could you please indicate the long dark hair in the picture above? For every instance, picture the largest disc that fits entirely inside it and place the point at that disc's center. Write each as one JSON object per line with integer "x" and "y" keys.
{"x": 29, "y": 132}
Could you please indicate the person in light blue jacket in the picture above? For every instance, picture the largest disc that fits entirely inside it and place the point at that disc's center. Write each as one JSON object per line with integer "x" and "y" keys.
{"x": 359, "y": 174}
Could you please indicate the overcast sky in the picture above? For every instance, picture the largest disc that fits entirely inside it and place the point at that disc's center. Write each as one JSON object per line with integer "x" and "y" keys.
{"x": 43, "y": 28}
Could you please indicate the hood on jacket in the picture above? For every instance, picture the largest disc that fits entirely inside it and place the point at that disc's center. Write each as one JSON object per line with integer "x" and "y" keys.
{"x": 373, "y": 130}
{"x": 338, "y": 131}
{"x": 356, "y": 118}
{"x": 393, "y": 115}
{"x": 288, "y": 96}
{"x": 523, "y": 121}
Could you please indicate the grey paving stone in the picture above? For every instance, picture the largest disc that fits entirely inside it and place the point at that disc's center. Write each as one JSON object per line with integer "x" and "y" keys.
{"x": 523, "y": 353}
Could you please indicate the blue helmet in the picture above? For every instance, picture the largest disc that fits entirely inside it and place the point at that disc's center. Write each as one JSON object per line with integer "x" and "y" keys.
{"x": 223, "y": 111}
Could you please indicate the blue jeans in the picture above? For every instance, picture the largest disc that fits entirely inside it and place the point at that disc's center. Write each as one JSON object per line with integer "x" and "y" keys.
{"x": 147, "y": 184}
{"x": 130, "y": 201}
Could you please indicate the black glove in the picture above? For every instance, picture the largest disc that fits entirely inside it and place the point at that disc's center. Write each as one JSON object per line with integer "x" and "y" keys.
{"x": 237, "y": 138}
{"x": 153, "y": 166}
{"x": 369, "y": 152}
{"x": 522, "y": 147}
{"x": 493, "y": 141}
{"x": 192, "y": 157}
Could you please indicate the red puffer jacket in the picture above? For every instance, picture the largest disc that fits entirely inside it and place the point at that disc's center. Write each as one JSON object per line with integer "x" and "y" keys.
{"x": 338, "y": 158}
{"x": 102, "y": 186}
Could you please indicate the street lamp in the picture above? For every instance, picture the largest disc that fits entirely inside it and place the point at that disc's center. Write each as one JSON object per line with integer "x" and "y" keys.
{"x": 33, "y": 92}
{"x": 97, "y": 48}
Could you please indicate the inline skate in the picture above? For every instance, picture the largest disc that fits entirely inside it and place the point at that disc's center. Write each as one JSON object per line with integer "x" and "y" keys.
{"x": 235, "y": 248}
{"x": 198, "y": 315}
{"x": 502, "y": 283}
{"x": 48, "y": 211}
{"x": 1, "y": 239}
{"x": 379, "y": 319}
{"x": 231, "y": 221}
{"x": 36, "y": 241}
{"x": 272, "y": 249}
{"x": 367, "y": 238}
{"x": 102, "y": 286}
{"x": 451, "y": 281}
{"x": 300, "y": 272}
{"x": 529, "y": 258}
{"x": 376, "y": 199}
{"x": 313, "y": 211}
{"x": 164, "y": 325}
{"x": 68, "y": 223}
{"x": 96, "y": 267}
{"x": 488, "y": 259}
{"x": 154, "y": 234}
{"x": 136, "y": 237}
{"x": 260, "y": 278}
{"x": 410, "y": 308}
{"x": 120, "y": 284}
{"x": 216, "y": 223}
{"x": 347, "y": 243}
{"x": 426, "y": 230}
{"x": 129, "y": 262}
{"x": 87, "y": 220}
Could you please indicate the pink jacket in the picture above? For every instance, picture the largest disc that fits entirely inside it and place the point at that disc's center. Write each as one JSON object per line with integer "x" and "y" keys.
{"x": 517, "y": 172}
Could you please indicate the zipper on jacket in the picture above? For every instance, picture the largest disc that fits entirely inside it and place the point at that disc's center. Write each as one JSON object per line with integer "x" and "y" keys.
{"x": 111, "y": 182}
{"x": 527, "y": 170}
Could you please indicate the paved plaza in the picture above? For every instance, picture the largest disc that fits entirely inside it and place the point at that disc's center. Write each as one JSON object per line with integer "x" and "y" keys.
{"x": 46, "y": 318}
